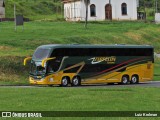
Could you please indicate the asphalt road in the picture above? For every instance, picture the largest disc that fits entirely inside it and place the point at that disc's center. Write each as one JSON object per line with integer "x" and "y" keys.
{"x": 144, "y": 84}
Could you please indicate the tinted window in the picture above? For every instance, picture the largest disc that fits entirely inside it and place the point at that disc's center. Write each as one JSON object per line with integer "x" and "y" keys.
{"x": 102, "y": 52}
{"x": 124, "y": 9}
{"x": 53, "y": 65}
{"x": 93, "y": 10}
{"x": 41, "y": 53}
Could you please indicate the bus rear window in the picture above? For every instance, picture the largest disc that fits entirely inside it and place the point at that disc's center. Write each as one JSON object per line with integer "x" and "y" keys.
{"x": 41, "y": 53}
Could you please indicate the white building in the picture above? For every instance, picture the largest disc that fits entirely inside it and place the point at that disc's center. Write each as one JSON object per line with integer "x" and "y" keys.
{"x": 75, "y": 10}
{"x": 2, "y": 9}
{"x": 157, "y": 17}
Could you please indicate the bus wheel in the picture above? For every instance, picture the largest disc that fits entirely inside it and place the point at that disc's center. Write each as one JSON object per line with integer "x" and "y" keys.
{"x": 65, "y": 81}
{"x": 76, "y": 81}
{"x": 134, "y": 79}
{"x": 125, "y": 79}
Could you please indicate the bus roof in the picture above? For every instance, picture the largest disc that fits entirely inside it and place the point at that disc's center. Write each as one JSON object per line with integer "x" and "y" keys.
{"x": 51, "y": 46}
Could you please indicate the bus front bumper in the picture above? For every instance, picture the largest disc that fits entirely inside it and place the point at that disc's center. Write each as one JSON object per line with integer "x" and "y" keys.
{"x": 43, "y": 81}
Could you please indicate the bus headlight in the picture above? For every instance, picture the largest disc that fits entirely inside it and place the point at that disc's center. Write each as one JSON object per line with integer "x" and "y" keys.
{"x": 51, "y": 79}
{"x": 45, "y": 65}
{"x": 42, "y": 79}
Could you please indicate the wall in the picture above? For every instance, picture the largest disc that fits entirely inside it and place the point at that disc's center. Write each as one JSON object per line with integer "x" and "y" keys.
{"x": 116, "y": 9}
{"x": 131, "y": 10}
{"x": 72, "y": 11}
{"x": 100, "y": 10}
{"x": 157, "y": 17}
{"x": 2, "y": 10}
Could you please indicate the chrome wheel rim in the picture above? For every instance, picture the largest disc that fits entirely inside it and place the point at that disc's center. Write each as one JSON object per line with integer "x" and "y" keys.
{"x": 134, "y": 79}
{"x": 125, "y": 80}
{"x": 75, "y": 81}
{"x": 64, "y": 81}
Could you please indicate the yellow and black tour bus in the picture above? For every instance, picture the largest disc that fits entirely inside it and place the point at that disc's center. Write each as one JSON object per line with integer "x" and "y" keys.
{"x": 91, "y": 64}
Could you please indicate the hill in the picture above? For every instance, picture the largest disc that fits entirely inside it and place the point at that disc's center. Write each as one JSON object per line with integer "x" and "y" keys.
{"x": 34, "y": 9}
{"x": 53, "y": 9}
{"x": 14, "y": 46}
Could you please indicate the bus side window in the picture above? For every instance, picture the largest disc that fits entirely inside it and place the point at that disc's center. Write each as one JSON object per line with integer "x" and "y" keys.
{"x": 54, "y": 65}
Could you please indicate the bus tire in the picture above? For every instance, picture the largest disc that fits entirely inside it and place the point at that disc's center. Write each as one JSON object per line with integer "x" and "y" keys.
{"x": 134, "y": 79}
{"x": 76, "y": 81}
{"x": 125, "y": 79}
{"x": 65, "y": 81}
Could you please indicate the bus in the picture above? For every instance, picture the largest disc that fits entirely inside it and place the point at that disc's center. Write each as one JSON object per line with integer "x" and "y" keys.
{"x": 73, "y": 64}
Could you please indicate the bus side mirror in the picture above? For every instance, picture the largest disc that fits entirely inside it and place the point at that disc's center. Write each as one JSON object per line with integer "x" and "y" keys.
{"x": 26, "y": 59}
{"x": 47, "y": 59}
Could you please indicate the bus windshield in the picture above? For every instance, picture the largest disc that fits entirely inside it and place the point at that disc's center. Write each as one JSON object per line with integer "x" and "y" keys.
{"x": 51, "y": 67}
{"x": 41, "y": 54}
{"x": 37, "y": 70}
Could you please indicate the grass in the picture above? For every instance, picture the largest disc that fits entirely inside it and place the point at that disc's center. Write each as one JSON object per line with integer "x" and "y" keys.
{"x": 50, "y": 99}
{"x": 38, "y": 33}
{"x": 12, "y": 71}
{"x": 16, "y": 45}
{"x": 79, "y": 99}
{"x": 34, "y": 9}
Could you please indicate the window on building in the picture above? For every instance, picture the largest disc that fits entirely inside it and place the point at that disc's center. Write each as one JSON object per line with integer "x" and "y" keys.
{"x": 124, "y": 9}
{"x": 93, "y": 10}
{"x": 3, "y": 4}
